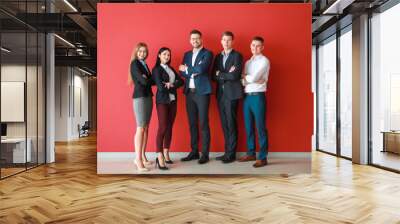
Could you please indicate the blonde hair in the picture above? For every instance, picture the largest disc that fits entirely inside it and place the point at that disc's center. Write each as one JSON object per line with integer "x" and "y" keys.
{"x": 134, "y": 56}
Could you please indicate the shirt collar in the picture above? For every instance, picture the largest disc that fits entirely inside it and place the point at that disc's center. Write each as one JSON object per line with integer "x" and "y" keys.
{"x": 196, "y": 52}
{"x": 257, "y": 57}
{"x": 223, "y": 52}
{"x": 164, "y": 65}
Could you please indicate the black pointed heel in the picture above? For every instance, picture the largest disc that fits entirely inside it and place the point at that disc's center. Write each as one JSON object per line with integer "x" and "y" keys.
{"x": 159, "y": 166}
{"x": 168, "y": 161}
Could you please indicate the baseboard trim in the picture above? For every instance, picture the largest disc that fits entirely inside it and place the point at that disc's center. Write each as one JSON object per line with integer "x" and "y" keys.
{"x": 131, "y": 155}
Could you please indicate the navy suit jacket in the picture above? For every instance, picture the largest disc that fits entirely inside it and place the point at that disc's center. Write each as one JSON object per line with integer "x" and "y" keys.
{"x": 229, "y": 83}
{"x": 201, "y": 67}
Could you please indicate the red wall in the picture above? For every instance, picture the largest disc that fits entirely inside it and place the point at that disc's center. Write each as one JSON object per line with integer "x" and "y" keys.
{"x": 286, "y": 29}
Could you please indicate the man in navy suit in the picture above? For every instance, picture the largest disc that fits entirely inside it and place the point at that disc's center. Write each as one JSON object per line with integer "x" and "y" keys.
{"x": 195, "y": 69}
{"x": 227, "y": 73}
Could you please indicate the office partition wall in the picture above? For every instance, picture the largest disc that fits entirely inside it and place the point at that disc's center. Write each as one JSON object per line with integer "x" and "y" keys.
{"x": 22, "y": 88}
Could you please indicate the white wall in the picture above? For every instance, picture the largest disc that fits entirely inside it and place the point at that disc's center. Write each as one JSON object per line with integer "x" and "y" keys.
{"x": 14, "y": 73}
{"x": 80, "y": 84}
{"x": 71, "y": 93}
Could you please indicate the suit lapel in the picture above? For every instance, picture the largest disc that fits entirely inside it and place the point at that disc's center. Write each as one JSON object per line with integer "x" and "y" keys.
{"x": 228, "y": 62}
{"x": 145, "y": 69}
{"x": 188, "y": 59}
{"x": 199, "y": 55}
{"x": 165, "y": 75}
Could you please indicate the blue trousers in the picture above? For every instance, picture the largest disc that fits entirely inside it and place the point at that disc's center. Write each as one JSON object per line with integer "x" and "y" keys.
{"x": 254, "y": 108}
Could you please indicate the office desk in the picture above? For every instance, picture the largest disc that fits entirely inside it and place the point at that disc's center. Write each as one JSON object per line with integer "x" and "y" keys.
{"x": 13, "y": 150}
{"x": 391, "y": 141}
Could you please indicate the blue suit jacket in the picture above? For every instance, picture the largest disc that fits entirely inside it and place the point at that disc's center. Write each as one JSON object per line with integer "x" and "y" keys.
{"x": 201, "y": 67}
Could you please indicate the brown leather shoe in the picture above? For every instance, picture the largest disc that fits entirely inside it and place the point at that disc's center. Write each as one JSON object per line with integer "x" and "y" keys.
{"x": 260, "y": 163}
{"x": 247, "y": 158}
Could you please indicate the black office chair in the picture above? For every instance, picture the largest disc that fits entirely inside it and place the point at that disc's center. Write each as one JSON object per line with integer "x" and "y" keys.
{"x": 84, "y": 130}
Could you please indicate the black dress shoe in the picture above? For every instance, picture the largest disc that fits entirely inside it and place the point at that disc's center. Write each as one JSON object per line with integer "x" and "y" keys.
{"x": 220, "y": 157}
{"x": 191, "y": 156}
{"x": 228, "y": 160}
{"x": 204, "y": 159}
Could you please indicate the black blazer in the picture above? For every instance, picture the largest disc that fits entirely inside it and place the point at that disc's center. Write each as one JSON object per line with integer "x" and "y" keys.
{"x": 160, "y": 76}
{"x": 142, "y": 79}
{"x": 229, "y": 82}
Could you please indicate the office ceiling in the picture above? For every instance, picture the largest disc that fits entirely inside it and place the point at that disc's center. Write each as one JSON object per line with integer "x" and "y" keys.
{"x": 76, "y": 22}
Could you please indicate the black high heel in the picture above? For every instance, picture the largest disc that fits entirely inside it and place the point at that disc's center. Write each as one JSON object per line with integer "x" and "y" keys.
{"x": 168, "y": 161}
{"x": 159, "y": 166}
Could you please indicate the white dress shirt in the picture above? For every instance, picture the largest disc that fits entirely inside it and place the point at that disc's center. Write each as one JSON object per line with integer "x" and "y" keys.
{"x": 256, "y": 68}
{"x": 171, "y": 78}
{"x": 194, "y": 56}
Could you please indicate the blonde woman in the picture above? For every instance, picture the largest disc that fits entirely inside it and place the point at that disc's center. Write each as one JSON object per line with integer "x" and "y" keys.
{"x": 142, "y": 102}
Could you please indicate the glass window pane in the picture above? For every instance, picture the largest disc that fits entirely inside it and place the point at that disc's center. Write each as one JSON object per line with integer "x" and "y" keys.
{"x": 327, "y": 96}
{"x": 386, "y": 88}
{"x": 346, "y": 94}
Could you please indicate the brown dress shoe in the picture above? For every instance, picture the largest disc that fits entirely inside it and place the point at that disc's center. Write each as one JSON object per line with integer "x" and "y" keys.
{"x": 260, "y": 163}
{"x": 247, "y": 158}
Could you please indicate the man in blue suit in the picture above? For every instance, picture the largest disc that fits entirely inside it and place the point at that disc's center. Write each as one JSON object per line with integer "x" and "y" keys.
{"x": 195, "y": 69}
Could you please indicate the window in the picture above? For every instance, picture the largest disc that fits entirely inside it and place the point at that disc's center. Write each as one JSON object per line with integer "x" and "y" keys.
{"x": 385, "y": 88}
{"x": 327, "y": 95}
{"x": 346, "y": 74}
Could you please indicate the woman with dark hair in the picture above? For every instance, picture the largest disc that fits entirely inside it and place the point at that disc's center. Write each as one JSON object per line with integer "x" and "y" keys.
{"x": 167, "y": 81}
{"x": 142, "y": 102}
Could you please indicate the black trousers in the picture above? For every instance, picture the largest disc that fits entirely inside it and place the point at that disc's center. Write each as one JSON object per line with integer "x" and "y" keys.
{"x": 228, "y": 114}
{"x": 197, "y": 110}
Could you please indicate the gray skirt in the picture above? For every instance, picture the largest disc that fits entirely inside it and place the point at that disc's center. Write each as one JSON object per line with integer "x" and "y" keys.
{"x": 142, "y": 108}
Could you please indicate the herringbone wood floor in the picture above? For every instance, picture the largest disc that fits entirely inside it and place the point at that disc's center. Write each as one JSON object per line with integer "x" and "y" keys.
{"x": 70, "y": 191}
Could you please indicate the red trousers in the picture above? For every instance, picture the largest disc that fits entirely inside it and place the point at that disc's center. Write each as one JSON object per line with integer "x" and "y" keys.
{"x": 166, "y": 117}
